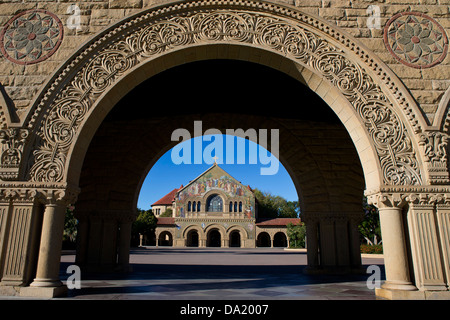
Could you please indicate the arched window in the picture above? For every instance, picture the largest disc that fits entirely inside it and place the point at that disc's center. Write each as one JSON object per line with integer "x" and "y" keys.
{"x": 214, "y": 203}
{"x": 235, "y": 206}
{"x": 240, "y": 206}
{"x": 193, "y": 206}
{"x": 189, "y": 207}
{"x": 231, "y": 206}
{"x": 198, "y": 206}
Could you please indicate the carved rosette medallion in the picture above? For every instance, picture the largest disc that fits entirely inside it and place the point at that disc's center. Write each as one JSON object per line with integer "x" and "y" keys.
{"x": 125, "y": 48}
{"x": 31, "y": 36}
{"x": 416, "y": 40}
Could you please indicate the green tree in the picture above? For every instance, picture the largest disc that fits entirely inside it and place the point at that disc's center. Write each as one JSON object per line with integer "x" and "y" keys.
{"x": 144, "y": 224}
{"x": 167, "y": 213}
{"x": 296, "y": 235}
{"x": 70, "y": 229}
{"x": 370, "y": 227}
{"x": 271, "y": 206}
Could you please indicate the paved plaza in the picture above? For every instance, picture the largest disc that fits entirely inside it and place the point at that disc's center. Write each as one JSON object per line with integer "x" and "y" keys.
{"x": 167, "y": 273}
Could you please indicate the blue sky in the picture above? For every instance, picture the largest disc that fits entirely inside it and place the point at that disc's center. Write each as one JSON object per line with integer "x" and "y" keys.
{"x": 166, "y": 174}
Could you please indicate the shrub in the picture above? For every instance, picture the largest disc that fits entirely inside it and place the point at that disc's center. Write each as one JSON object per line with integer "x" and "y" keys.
{"x": 376, "y": 249}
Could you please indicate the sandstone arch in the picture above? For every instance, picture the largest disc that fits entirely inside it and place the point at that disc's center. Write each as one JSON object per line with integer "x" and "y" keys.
{"x": 404, "y": 160}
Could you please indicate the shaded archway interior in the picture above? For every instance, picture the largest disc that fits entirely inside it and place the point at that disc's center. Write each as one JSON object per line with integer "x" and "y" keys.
{"x": 315, "y": 148}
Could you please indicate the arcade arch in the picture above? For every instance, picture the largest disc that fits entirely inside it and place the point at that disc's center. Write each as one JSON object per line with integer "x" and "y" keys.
{"x": 386, "y": 146}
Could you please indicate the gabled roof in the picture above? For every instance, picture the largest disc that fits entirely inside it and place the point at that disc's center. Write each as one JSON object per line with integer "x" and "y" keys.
{"x": 165, "y": 221}
{"x": 168, "y": 198}
{"x": 277, "y": 221}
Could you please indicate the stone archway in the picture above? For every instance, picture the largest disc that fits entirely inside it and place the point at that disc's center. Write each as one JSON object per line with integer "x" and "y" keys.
{"x": 213, "y": 238}
{"x": 405, "y": 167}
{"x": 263, "y": 240}
{"x": 165, "y": 239}
{"x": 280, "y": 239}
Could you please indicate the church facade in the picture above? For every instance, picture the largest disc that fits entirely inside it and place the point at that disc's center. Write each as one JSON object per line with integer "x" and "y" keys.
{"x": 216, "y": 210}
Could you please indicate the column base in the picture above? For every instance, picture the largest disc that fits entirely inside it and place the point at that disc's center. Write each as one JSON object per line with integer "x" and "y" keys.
{"x": 46, "y": 283}
{"x": 399, "y": 285}
{"x": 389, "y": 294}
{"x": 43, "y": 292}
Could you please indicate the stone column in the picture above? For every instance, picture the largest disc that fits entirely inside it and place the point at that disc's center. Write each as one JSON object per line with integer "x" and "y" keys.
{"x": 47, "y": 282}
{"x": 19, "y": 237}
{"x": 425, "y": 251}
{"x": 394, "y": 245}
{"x": 355, "y": 251}
{"x": 443, "y": 221}
{"x": 47, "y": 274}
{"x": 124, "y": 244}
{"x": 312, "y": 244}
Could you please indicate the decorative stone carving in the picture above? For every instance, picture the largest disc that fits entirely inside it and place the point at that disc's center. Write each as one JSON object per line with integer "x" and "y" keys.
{"x": 31, "y": 36}
{"x": 416, "y": 40}
{"x": 162, "y": 33}
{"x": 30, "y": 193}
{"x": 12, "y": 144}
{"x": 434, "y": 145}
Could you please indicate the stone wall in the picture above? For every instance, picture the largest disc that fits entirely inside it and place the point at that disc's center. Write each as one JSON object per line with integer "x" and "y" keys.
{"x": 22, "y": 82}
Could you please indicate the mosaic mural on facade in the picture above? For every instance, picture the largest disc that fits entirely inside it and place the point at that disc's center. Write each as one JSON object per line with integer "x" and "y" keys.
{"x": 216, "y": 179}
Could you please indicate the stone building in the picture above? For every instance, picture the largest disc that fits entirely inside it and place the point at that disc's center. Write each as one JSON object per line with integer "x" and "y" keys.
{"x": 73, "y": 129}
{"x": 216, "y": 210}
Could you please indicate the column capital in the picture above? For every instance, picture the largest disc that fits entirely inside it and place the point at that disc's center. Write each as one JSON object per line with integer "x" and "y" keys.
{"x": 25, "y": 192}
{"x": 387, "y": 200}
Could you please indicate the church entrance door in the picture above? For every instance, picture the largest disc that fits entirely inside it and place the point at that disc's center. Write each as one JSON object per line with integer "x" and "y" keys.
{"x": 235, "y": 239}
{"x": 214, "y": 238}
{"x": 192, "y": 239}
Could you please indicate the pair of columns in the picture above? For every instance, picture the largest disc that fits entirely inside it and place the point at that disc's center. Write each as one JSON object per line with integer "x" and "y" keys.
{"x": 31, "y": 232}
{"x": 32, "y": 225}
{"x": 416, "y": 244}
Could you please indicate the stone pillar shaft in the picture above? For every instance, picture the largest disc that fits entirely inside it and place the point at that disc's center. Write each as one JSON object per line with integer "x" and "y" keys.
{"x": 394, "y": 249}
{"x": 47, "y": 274}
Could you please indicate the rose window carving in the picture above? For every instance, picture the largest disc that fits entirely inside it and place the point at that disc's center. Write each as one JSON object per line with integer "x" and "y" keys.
{"x": 31, "y": 36}
{"x": 416, "y": 40}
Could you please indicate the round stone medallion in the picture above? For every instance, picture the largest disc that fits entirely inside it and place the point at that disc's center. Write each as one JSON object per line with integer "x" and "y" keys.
{"x": 31, "y": 36}
{"x": 416, "y": 40}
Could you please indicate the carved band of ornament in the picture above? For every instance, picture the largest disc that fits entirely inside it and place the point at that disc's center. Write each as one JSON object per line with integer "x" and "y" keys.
{"x": 71, "y": 105}
{"x": 63, "y": 196}
{"x": 427, "y": 200}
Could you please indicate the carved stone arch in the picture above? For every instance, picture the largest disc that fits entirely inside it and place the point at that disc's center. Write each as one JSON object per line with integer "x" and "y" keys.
{"x": 387, "y": 115}
{"x": 239, "y": 228}
{"x": 441, "y": 119}
{"x": 217, "y": 226}
{"x": 200, "y": 231}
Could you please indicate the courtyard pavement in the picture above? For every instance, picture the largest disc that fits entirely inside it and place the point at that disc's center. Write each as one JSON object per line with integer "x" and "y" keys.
{"x": 167, "y": 273}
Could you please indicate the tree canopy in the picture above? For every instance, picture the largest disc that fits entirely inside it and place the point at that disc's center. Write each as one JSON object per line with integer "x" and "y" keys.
{"x": 271, "y": 206}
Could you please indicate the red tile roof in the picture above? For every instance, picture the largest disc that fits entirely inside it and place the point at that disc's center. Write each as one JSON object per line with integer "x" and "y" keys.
{"x": 277, "y": 221}
{"x": 165, "y": 221}
{"x": 167, "y": 199}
